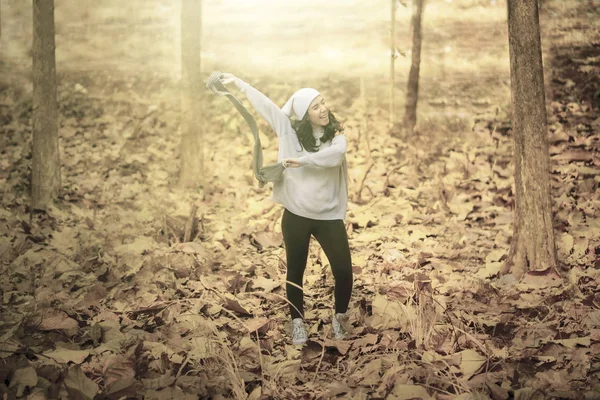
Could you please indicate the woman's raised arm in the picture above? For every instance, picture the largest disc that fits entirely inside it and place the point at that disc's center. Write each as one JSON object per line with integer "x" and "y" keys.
{"x": 278, "y": 120}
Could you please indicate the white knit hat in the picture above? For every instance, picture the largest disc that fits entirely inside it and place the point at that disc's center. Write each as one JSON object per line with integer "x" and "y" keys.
{"x": 299, "y": 102}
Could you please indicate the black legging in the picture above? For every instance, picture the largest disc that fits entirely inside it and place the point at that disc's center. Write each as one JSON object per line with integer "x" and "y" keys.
{"x": 331, "y": 235}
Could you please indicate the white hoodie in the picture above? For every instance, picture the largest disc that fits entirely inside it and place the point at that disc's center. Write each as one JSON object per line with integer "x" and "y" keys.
{"x": 319, "y": 188}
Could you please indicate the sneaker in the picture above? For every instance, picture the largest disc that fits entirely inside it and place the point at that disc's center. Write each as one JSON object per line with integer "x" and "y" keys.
{"x": 299, "y": 335}
{"x": 339, "y": 325}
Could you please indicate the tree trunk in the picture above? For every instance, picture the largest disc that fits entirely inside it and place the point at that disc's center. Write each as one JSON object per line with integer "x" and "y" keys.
{"x": 45, "y": 179}
{"x": 412, "y": 89}
{"x": 532, "y": 246}
{"x": 192, "y": 157}
{"x": 392, "y": 65}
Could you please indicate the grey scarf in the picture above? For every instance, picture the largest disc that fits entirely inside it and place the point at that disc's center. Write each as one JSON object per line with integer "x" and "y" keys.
{"x": 269, "y": 173}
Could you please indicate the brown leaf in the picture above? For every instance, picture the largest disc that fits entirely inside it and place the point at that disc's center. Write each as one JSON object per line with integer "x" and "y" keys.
{"x": 201, "y": 348}
{"x": 574, "y": 155}
{"x": 64, "y": 356}
{"x": 268, "y": 239}
{"x": 540, "y": 279}
{"x": 497, "y": 392}
{"x": 234, "y": 305}
{"x": 400, "y": 291}
{"x": 60, "y": 321}
{"x": 341, "y": 345}
{"x": 368, "y": 340}
{"x": 311, "y": 350}
{"x": 265, "y": 283}
{"x": 22, "y": 379}
{"x": 256, "y": 394}
{"x": 237, "y": 282}
{"x": 371, "y": 373}
{"x": 37, "y": 394}
{"x": 287, "y": 368}
{"x": 160, "y": 382}
{"x": 470, "y": 362}
{"x": 79, "y": 386}
{"x": 409, "y": 392}
{"x": 94, "y": 296}
{"x": 391, "y": 376}
{"x": 256, "y": 323}
{"x": 117, "y": 368}
{"x": 122, "y": 388}
{"x": 190, "y": 248}
{"x": 529, "y": 394}
{"x": 169, "y": 393}
{"x": 335, "y": 388}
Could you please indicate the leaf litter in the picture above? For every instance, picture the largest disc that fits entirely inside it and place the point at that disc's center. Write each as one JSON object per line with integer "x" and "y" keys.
{"x": 101, "y": 298}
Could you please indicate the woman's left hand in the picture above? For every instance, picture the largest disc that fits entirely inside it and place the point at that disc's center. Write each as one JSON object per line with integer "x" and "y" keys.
{"x": 291, "y": 163}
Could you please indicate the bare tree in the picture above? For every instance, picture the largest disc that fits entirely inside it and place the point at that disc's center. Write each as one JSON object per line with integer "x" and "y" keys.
{"x": 392, "y": 64}
{"x": 412, "y": 89}
{"x": 532, "y": 246}
{"x": 45, "y": 179}
{"x": 192, "y": 149}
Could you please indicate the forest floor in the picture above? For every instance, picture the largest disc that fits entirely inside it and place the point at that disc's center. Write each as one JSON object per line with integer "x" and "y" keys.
{"x": 102, "y": 298}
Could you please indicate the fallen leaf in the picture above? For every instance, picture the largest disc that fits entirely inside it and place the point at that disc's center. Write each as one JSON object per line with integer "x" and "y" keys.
{"x": 540, "y": 279}
{"x": 122, "y": 388}
{"x": 470, "y": 362}
{"x": 65, "y": 241}
{"x": 335, "y": 388}
{"x": 190, "y": 248}
{"x": 139, "y": 246}
{"x": 117, "y": 368}
{"x": 574, "y": 342}
{"x": 409, "y": 392}
{"x": 256, "y": 394}
{"x": 22, "y": 379}
{"x": 200, "y": 348}
{"x": 234, "y": 305}
{"x": 287, "y": 368}
{"x": 64, "y": 356}
{"x": 368, "y": 340}
{"x": 169, "y": 393}
{"x": 160, "y": 382}
{"x": 370, "y": 374}
{"x": 255, "y": 324}
{"x": 59, "y": 321}
{"x": 341, "y": 345}
{"x": 268, "y": 239}
{"x": 268, "y": 285}
{"x": 37, "y": 394}
{"x": 79, "y": 386}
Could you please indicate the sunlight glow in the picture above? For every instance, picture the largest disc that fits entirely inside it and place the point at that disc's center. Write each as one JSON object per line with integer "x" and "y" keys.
{"x": 331, "y": 53}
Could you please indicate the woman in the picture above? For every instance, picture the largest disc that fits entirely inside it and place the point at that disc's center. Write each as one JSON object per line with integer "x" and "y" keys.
{"x": 314, "y": 193}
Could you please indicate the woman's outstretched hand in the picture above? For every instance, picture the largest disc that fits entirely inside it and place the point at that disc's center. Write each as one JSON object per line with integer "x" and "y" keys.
{"x": 291, "y": 163}
{"x": 227, "y": 78}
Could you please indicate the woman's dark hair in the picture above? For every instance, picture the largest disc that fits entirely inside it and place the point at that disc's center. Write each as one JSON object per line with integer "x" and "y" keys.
{"x": 304, "y": 131}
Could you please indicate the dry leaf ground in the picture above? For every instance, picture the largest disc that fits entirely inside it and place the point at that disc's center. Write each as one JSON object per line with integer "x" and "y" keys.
{"x": 101, "y": 299}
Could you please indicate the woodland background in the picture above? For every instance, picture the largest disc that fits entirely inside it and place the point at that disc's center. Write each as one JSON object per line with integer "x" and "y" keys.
{"x": 101, "y": 298}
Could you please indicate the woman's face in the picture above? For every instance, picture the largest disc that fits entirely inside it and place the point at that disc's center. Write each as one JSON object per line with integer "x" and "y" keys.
{"x": 318, "y": 112}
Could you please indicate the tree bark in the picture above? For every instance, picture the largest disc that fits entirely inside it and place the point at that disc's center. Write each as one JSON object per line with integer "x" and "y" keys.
{"x": 532, "y": 246}
{"x": 392, "y": 65}
{"x": 45, "y": 179}
{"x": 192, "y": 151}
{"x": 412, "y": 89}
